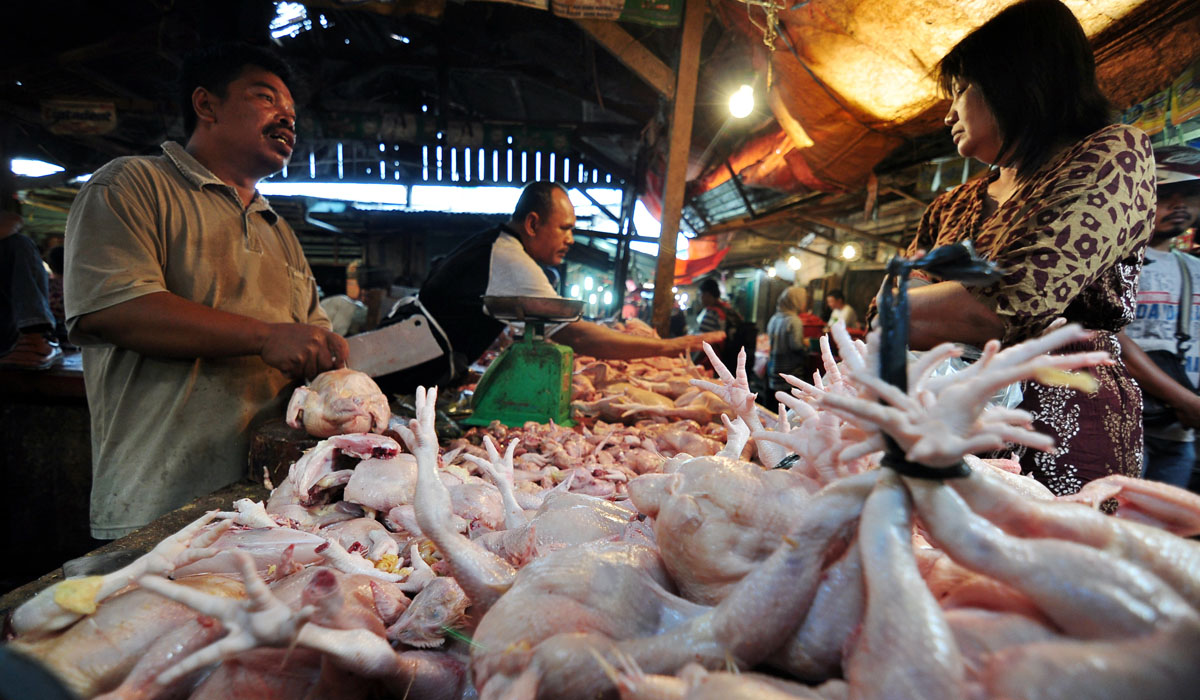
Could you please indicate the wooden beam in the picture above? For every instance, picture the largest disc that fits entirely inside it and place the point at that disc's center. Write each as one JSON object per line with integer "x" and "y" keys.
{"x": 830, "y": 223}
{"x": 630, "y": 52}
{"x": 745, "y": 221}
{"x": 901, "y": 193}
{"x": 677, "y": 159}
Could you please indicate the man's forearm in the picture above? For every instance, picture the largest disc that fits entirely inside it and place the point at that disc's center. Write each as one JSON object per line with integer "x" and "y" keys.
{"x": 1149, "y": 376}
{"x": 165, "y": 325}
{"x": 947, "y": 312}
{"x": 592, "y": 339}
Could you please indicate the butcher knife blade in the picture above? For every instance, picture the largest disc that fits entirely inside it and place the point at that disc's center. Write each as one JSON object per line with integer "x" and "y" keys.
{"x": 398, "y": 346}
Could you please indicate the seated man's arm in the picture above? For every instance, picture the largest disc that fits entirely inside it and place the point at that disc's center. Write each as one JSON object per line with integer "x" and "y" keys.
{"x": 1158, "y": 383}
{"x": 600, "y": 342}
{"x": 162, "y": 324}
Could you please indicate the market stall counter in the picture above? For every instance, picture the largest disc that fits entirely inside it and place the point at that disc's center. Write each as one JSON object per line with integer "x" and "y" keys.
{"x": 47, "y": 465}
{"x": 413, "y": 571}
{"x": 121, "y": 551}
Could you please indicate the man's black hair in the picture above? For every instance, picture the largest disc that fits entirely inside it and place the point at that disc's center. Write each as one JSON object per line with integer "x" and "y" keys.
{"x": 1035, "y": 68}
{"x": 215, "y": 67}
{"x": 710, "y": 286}
{"x": 836, "y": 294}
{"x": 537, "y": 196}
{"x": 1187, "y": 188}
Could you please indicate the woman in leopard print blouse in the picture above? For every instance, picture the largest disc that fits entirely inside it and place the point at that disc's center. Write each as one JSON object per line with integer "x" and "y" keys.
{"x": 1066, "y": 213}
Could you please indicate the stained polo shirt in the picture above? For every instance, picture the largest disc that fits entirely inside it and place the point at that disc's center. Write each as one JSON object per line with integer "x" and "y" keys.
{"x": 165, "y": 431}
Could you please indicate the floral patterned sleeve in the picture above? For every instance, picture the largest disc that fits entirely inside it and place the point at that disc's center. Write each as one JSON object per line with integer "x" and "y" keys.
{"x": 1069, "y": 230}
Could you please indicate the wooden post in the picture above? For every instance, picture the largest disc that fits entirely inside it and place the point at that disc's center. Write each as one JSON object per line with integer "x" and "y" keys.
{"x": 677, "y": 160}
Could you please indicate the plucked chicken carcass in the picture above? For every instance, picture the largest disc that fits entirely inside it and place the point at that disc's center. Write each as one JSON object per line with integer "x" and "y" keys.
{"x": 337, "y": 402}
{"x": 835, "y": 576}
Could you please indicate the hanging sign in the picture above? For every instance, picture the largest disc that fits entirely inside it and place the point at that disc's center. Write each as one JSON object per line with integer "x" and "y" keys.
{"x": 79, "y": 116}
{"x": 1150, "y": 115}
{"x": 659, "y": 13}
{"x": 1185, "y": 95}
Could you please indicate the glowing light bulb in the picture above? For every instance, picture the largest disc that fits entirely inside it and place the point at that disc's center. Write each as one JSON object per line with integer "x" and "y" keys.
{"x": 607, "y": 298}
{"x": 575, "y": 292}
{"x": 741, "y": 103}
{"x": 849, "y": 252}
{"x": 793, "y": 262}
{"x": 588, "y": 283}
{"x": 771, "y": 272}
{"x": 591, "y": 298}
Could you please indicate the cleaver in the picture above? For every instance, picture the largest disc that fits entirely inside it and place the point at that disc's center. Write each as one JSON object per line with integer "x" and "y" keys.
{"x": 398, "y": 346}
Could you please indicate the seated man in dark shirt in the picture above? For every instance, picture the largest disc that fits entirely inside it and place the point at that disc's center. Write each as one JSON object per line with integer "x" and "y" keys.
{"x": 505, "y": 261}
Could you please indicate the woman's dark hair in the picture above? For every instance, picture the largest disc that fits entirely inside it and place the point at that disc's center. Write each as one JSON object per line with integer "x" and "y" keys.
{"x": 215, "y": 67}
{"x": 537, "y": 196}
{"x": 1035, "y": 68}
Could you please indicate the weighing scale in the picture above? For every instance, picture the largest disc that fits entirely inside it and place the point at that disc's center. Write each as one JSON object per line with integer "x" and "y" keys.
{"x": 531, "y": 379}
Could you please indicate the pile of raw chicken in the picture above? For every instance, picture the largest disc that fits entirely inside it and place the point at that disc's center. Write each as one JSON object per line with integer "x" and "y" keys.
{"x": 810, "y": 571}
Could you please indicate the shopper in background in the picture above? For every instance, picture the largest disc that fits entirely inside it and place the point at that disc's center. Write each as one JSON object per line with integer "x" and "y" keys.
{"x": 718, "y": 315}
{"x": 841, "y": 310}
{"x": 789, "y": 330}
{"x": 715, "y": 311}
{"x": 26, "y": 320}
{"x": 1169, "y": 451}
{"x": 1066, "y": 212}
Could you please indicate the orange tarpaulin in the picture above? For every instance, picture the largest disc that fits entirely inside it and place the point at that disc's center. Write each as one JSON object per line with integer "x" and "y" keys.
{"x": 857, "y": 77}
{"x": 704, "y": 254}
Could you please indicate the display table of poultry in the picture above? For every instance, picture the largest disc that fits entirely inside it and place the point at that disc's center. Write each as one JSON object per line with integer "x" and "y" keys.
{"x": 137, "y": 543}
{"x": 426, "y": 572}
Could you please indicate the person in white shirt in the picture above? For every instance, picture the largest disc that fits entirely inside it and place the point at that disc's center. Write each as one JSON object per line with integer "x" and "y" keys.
{"x": 1169, "y": 450}
{"x": 508, "y": 260}
{"x": 841, "y": 310}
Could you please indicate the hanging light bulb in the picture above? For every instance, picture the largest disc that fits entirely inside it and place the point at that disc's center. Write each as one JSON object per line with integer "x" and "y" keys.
{"x": 793, "y": 262}
{"x": 575, "y": 292}
{"x": 741, "y": 102}
{"x": 588, "y": 283}
{"x": 771, "y": 271}
{"x": 850, "y": 251}
{"x": 592, "y": 299}
{"x": 607, "y": 297}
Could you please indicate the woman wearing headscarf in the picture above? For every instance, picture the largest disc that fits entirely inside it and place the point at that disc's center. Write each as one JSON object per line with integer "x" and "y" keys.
{"x": 789, "y": 344}
{"x": 1065, "y": 211}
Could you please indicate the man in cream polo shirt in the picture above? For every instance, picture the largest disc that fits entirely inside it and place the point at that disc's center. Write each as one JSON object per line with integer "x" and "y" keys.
{"x": 191, "y": 297}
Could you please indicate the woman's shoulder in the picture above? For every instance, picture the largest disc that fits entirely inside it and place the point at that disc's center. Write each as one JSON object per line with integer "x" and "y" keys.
{"x": 1113, "y": 151}
{"x": 1115, "y": 141}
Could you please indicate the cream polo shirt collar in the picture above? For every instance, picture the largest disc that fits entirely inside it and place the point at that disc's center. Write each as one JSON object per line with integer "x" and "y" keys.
{"x": 194, "y": 172}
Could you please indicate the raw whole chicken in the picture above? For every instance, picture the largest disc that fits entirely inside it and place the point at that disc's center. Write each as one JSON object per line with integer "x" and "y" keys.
{"x": 835, "y": 576}
{"x": 337, "y": 402}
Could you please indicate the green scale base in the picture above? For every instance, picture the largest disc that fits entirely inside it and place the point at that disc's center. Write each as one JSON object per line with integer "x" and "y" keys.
{"x": 529, "y": 381}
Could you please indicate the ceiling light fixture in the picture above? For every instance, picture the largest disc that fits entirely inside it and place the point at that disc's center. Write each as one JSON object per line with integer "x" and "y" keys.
{"x": 741, "y": 103}
{"x": 793, "y": 262}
